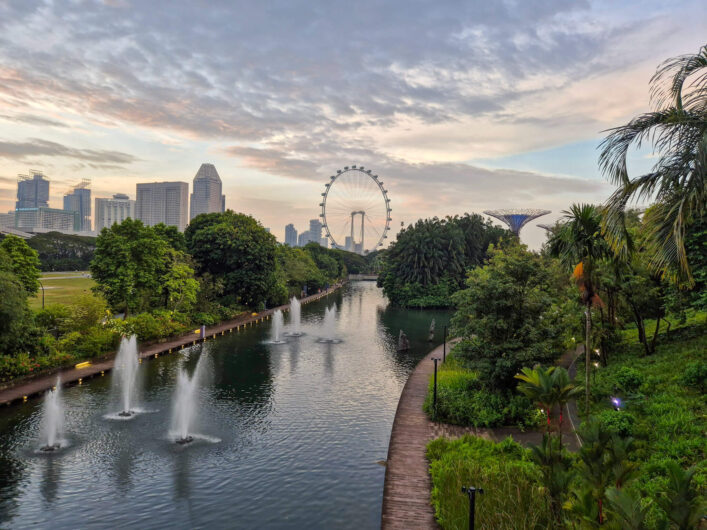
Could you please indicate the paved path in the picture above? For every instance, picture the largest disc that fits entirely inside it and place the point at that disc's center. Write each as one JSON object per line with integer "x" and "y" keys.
{"x": 23, "y": 390}
{"x": 407, "y": 488}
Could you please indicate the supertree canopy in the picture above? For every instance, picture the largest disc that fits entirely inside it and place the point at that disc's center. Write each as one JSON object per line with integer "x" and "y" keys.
{"x": 517, "y": 218}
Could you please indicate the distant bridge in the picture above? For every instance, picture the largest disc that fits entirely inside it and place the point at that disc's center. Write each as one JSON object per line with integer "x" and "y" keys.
{"x": 363, "y": 277}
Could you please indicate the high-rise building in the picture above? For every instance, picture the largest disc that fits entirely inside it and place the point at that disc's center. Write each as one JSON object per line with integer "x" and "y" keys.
{"x": 315, "y": 230}
{"x": 304, "y": 238}
{"x": 79, "y": 200}
{"x": 206, "y": 194}
{"x": 348, "y": 243}
{"x": 163, "y": 202}
{"x": 47, "y": 219}
{"x": 32, "y": 190}
{"x": 291, "y": 235}
{"x": 7, "y": 220}
{"x": 111, "y": 211}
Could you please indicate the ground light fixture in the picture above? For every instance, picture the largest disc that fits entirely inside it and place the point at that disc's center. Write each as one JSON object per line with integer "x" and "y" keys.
{"x": 444, "y": 345}
{"x": 471, "y": 491}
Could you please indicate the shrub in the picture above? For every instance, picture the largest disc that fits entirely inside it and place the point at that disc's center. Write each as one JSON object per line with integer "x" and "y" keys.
{"x": 144, "y": 325}
{"x": 694, "y": 375}
{"x": 53, "y": 317}
{"x": 206, "y": 319}
{"x": 617, "y": 422}
{"x": 628, "y": 379}
{"x": 96, "y": 341}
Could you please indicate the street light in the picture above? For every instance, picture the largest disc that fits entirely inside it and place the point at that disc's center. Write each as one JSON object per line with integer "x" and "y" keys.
{"x": 471, "y": 492}
{"x": 434, "y": 395}
{"x": 444, "y": 345}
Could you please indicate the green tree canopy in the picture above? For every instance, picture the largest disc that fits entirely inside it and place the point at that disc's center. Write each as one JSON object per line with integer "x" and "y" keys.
{"x": 505, "y": 316}
{"x": 236, "y": 248}
{"x": 128, "y": 265}
{"x": 63, "y": 252}
{"x": 24, "y": 262}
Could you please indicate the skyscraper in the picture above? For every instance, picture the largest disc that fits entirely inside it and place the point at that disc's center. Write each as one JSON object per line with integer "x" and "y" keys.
{"x": 206, "y": 194}
{"x": 45, "y": 219}
{"x": 111, "y": 211}
{"x": 291, "y": 235}
{"x": 79, "y": 200}
{"x": 315, "y": 230}
{"x": 304, "y": 238}
{"x": 32, "y": 190}
{"x": 163, "y": 202}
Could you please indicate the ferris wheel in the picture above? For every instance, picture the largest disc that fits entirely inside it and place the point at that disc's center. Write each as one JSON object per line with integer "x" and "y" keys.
{"x": 355, "y": 210}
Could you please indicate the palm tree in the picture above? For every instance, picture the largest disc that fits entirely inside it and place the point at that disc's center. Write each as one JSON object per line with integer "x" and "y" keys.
{"x": 537, "y": 385}
{"x": 578, "y": 243}
{"x": 681, "y": 502}
{"x": 677, "y": 129}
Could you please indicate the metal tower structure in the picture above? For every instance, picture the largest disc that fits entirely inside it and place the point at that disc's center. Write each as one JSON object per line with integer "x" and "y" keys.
{"x": 517, "y": 218}
{"x": 549, "y": 228}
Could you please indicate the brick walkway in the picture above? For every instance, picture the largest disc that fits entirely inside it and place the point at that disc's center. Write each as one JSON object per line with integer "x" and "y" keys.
{"x": 23, "y": 390}
{"x": 406, "y": 493}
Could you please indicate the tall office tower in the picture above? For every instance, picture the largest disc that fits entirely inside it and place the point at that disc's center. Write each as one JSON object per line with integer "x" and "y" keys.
{"x": 348, "y": 243}
{"x": 206, "y": 194}
{"x": 324, "y": 242}
{"x": 315, "y": 230}
{"x": 291, "y": 235}
{"x": 304, "y": 238}
{"x": 32, "y": 190}
{"x": 163, "y": 202}
{"x": 111, "y": 211}
{"x": 7, "y": 220}
{"x": 79, "y": 200}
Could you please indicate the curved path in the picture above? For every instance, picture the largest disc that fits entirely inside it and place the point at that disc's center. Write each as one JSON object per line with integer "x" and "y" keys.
{"x": 407, "y": 488}
{"x": 23, "y": 389}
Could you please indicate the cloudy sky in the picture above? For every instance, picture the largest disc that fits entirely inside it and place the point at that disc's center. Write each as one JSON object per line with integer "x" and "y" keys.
{"x": 458, "y": 106}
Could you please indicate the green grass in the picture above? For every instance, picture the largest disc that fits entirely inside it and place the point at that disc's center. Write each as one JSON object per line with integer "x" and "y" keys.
{"x": 512, "y": 496}
{"x": 664, "y": 409}
{"x": 61, "y": 288}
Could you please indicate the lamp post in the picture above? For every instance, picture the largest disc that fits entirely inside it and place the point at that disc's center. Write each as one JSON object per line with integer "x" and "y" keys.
{"x": 444, "y": 345}
{"x": 471, "y": 492}
{"x": 434, "y": 393}
{"x": 42, "y": 286}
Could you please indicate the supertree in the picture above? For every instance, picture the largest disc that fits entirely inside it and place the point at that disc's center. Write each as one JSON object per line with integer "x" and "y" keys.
{"x": 517, "y": 218}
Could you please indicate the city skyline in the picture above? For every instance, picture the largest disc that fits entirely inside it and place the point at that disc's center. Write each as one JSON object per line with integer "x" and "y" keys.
{"x": 476, "y": 107}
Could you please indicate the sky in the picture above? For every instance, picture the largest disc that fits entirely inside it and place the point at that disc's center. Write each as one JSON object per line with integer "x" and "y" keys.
{"x": 457, "y": 106}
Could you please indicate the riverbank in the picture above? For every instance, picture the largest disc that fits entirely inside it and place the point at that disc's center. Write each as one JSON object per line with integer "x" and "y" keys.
{"x": 24, "y": 389}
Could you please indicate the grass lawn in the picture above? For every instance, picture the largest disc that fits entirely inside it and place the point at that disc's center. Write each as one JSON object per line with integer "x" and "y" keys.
{"x": 61, "y": 288}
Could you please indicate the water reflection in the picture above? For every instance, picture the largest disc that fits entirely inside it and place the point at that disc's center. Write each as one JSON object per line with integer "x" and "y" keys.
{"x": 295, "y": 348}
{"x": 329, "y": 358}
{"x": 51, "y": 478}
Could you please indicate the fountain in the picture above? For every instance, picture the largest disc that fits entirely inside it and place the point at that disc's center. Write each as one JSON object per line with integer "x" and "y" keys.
{"x": 125, "y": 377}
{"x": 329, "y": 327}
{"x": 53, "y": 419}
{"x": 277, "y": 322}
{"x": 295, "y": 318}
{"x": 185, "y": 406}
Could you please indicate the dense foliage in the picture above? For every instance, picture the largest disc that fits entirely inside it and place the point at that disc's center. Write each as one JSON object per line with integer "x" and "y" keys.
{"x": 429, "y": 260}
{"x": 164, "y": 282}
{"x": 63, "y": 252}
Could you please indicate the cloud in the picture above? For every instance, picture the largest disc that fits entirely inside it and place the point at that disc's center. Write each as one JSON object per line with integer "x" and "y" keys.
{"x": 35, "y": 147}
{"x": 33, "y": 120}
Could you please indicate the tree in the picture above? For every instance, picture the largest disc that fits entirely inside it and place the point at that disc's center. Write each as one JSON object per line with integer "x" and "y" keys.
{"x": 682, "y": 503}
{"x": 429, "y": 260}
{"x": 24, "y": 262}
{"x": 17, "y": 332}
{"x": 63, "y": 252}
{"x": 172, "y": 236}
{"x": 677, "y": 129}
{"x": 181, "y": 287}
{"x": 237, "y": 249}
{"x": 579, "y": 244}
{"x": 128, "y": 264}
{"x": 505, "y": 316}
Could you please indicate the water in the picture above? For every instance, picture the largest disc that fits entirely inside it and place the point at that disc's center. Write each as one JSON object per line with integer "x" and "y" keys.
{"x": 125, "y": 376}
{"x": 295, "y": 318}
{"x": 186, "y": 403}
{"x": 53, "y": 420}
{"x": 277, "y": 323}
{"x": 287, "y": 436}
{"x": 328, "y": 331}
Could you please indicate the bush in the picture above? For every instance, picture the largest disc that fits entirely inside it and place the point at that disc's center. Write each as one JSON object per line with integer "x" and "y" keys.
{"x": 95, "y": 342}
{"x": 694, "y": 375}
{"x": 462, "y": 401}
{"x": 617, "y": 422}
{"x": 628, "y": 379}
{"x": 53, "y": 317}
{"x": 206, "y": 319}
{"x": 513, "y": 493}
{"x": 144, "y": 325}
